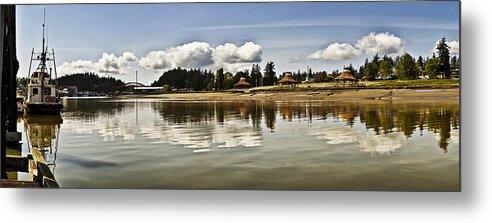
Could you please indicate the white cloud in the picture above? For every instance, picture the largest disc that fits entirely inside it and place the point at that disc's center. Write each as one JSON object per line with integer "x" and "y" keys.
{"x": 336, "y": 51}
{"x": 229, "y": 53}
{"x": 129, "y": 56}
{"x": 233, "y": 58}
{"x": 382, "y": 43}
{"x": 190, "y": 55}
{"x": 200, "y": 54}
{"x": 77, "y": 66}
{"x": 454, "y": 47}
{"x": 108, "y": 63}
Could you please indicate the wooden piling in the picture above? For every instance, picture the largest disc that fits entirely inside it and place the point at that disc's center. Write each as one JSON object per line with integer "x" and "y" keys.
{"x": 3, "y": 149}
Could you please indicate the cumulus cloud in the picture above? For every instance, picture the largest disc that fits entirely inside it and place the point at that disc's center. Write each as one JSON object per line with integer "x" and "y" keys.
{"x": 200, "y": 54}
{"x": 129, "y": 57}
{"x": 231, "y": 57}
{"x": 336, "y": 51}
{"x": 237, "y": 58}
{"x": 77, "y": 66}
{"x": 454, "y": 47}
{"x": 190, "y": 55}
{"x": 108, "y": 63}
{"x": 230, "y": 53}
{"x": 382, "y": 43}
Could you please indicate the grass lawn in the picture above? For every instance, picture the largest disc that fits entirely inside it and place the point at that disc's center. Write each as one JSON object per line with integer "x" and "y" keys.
{"x": 379, "y": 84}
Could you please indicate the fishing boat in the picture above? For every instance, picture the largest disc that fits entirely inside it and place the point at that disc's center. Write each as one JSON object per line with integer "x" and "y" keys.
{"x": 42, "y": 91}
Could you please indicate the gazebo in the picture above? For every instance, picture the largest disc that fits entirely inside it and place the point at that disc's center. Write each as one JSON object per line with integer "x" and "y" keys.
{"x": 242, "y": 83}
{"x": 346, "y": 76}
{"x": 287, "y": 79}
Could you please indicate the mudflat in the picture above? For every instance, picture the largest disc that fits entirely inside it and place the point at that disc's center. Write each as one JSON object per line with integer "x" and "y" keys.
{"x": 349, "y": 94}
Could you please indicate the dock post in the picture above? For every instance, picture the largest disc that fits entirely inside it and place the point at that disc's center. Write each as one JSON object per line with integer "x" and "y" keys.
{"x": 3, "y": 172}
{"x": 8, "y": 81}
{"x": 11, "y": 66}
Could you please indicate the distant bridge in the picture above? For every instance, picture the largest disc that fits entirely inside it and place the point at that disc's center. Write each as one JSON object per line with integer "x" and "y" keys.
{"x": 133, "y": 84}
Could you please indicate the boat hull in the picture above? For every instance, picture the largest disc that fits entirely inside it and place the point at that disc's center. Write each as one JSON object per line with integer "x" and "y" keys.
{"x": 43, "y": 108}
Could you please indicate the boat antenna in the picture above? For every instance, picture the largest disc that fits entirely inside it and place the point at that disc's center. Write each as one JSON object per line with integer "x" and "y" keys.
{"x": 44, "y": 21}
{"x": 47, "y": 32}
{"x": 43, "y": 59}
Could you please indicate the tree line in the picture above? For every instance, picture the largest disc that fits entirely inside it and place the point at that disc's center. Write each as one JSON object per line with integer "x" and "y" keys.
{"x": 91, "y": 82}
{"x": 197, "y": 79}
{"x": 407, "y": 67}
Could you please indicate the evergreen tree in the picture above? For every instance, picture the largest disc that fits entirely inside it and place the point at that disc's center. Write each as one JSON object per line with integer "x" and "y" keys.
{"x": 255, "y": 75}
{"x": 90, "y": 82}
{"x": 360, "y": 74}
{"x": 182, "y": 78}
{"x": 385, "y": 69}
{"x": 270, "y": 77}
{"x": 371, "y": 71}
{"x": 454, "y": 62}
{"x": 220, "y": 79}
{"x": 443, "y": 54}
{"x": 420, "y": 63}
{"x": 352, "y": 69}
{"x": 389, "y": 59}
{"x": 432, "y": 68}
{"x": 407, "y": 68}
{"x": 376, "y": 59}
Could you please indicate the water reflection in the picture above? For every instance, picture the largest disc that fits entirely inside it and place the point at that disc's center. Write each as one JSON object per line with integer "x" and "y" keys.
{"x": 43, "y": 134}
{"x": 255, "y": 145}
{"x": 227, "y": 125}
{"x": 203, "y": 125}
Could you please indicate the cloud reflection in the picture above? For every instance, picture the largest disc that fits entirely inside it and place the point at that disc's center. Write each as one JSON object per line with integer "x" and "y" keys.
{"x": 336, "y": 135}
{"x": 369, "y": 142}
{"x": 382, "y": 144}
{"x": 230, "y": 134}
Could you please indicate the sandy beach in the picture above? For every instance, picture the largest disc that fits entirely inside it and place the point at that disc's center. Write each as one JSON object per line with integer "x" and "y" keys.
{"x": 356, "y": 94}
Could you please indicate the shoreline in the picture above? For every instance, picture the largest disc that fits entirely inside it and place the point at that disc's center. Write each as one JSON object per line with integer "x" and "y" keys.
{"x": 311, "y": 95}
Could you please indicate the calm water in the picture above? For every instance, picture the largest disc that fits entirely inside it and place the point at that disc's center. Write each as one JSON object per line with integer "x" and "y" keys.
{"x": 147, "y": 143}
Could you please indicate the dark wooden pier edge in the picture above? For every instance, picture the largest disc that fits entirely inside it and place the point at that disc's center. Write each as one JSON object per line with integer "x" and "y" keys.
{"x": 34, "y": 163}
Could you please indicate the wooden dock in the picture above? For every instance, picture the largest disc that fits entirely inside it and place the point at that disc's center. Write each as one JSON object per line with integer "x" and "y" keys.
{"x": 17, "y": 184}
{"x": 35, "y": 164}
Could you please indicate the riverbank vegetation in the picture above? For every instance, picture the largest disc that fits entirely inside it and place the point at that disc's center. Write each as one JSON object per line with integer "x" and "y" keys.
{"x": 91, "y": 82}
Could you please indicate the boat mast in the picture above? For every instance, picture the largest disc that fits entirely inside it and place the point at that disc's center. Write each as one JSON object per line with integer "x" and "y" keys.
{"x": 30, "y": 63}
{"x": 43, "y": 60}
{"x": 56, "y": 75}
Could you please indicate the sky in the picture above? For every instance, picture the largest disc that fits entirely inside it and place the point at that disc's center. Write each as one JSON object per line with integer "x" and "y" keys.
{"x": 121, "y": 39}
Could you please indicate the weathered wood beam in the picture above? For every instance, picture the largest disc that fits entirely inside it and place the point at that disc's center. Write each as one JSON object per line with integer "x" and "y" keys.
{"x": 3, "y": 149}
{"x": 17, "y": 163}
{"x": 44, "y": 176}
{"x": 17, "y": 184}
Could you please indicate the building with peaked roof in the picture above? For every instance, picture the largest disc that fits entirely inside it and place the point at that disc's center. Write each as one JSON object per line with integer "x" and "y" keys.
{"x": 242, "y": 83}
{"x": 346, "y": 76}
{"x": 287, "y": 79}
